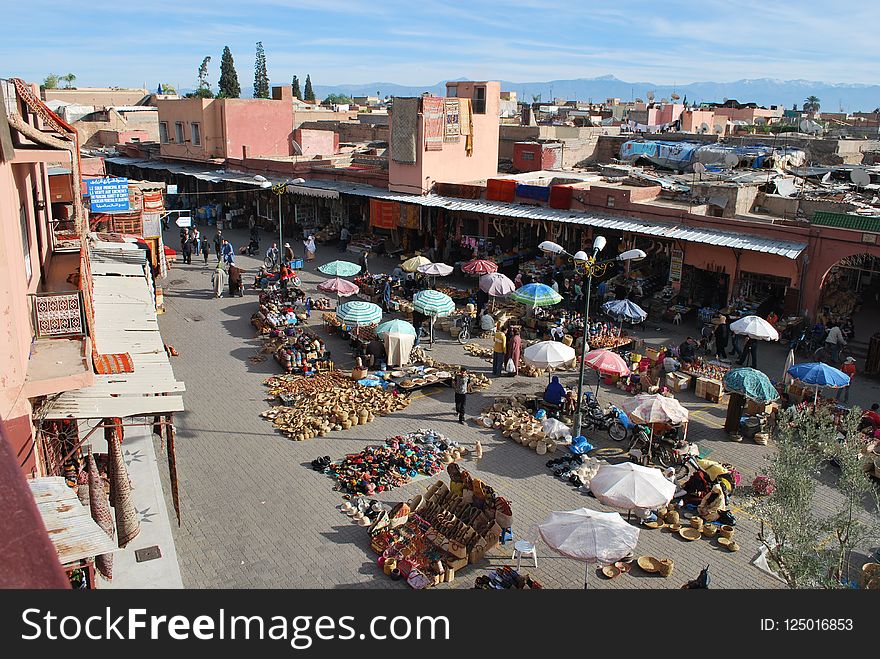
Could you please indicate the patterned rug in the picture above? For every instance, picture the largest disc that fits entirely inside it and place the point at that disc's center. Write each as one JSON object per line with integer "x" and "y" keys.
{"x": 453, "y": 120}
{"x": 433, "y": 111}
{"x": 404, "y": 130}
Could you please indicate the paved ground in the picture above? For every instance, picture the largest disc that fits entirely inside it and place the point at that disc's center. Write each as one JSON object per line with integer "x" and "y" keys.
{"x": 255, "y": 514}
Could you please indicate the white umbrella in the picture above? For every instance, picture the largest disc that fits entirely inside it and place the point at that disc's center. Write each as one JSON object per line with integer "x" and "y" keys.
{"x": 435, "y": 269}
{"x": 588, "y": 535}
{"x": 628, "y": 486}
{"x": 548, "y": 354}
{"x": 756, "y": 328}
{"x": 655, "y": 408}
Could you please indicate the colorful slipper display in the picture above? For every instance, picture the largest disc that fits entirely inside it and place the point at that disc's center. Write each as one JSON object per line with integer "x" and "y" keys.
{"x": 403, "y": 458}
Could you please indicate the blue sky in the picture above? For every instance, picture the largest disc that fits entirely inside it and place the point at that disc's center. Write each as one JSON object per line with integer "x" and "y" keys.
{"x": 426, "y": 41}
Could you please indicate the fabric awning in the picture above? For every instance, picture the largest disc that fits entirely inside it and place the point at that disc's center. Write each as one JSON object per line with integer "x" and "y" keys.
{"x": 312, "y": 192}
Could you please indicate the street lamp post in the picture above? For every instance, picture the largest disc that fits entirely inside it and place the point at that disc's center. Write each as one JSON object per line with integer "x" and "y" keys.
{"x": 280, "y": 190}
{"x": 588, "y": 265}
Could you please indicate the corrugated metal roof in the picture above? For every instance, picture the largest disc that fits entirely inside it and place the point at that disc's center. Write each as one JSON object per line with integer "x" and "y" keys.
{"x": 70, "y": 525}
{"x": 748, "y": 242}
{"x": 201, "y": 173}
{"x": 847, "y": 221}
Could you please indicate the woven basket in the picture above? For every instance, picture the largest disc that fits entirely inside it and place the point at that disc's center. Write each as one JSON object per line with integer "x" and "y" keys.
{"x": 697, "y": 523}
{"x": 672, "y": 517}
{"x": 727, "y": 531}
{"x": 665, "y": 567}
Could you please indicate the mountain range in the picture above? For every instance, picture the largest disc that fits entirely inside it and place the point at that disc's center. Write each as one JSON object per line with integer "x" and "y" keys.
{"x": 764, "y": 91}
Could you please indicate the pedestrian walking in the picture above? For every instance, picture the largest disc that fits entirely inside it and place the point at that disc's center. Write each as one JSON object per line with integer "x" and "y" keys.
{"x": 218, "y": 244}
{"x": 187, "y": 249}
{"x": 460, "y": 384}
{"x": 514, "y": 348}
{"x": 309, "y": 244}
{"x": 386, "y": 295}
{"x": 365, "y": 262}
{"x": 721, "y": 338}
{"x": 218, "y": 279}
{"x": 227, "y": 252}
{"x": 205, "y": 250}
{"x": 749, "y": 353}
{"x": 344, "y": 238}
{"x": 499, "y": 348}
{"x": 848, "y": 367}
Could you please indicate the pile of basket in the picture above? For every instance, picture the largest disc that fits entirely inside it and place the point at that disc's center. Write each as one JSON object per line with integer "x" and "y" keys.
{"x": 509, "y": 416}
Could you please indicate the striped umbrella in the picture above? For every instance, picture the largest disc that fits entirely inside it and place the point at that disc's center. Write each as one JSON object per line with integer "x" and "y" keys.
{"x": 395, "y": 327}
{"x": 479, "y": 267}
{"x": 536, "y": 295}
{"x": 358, "y": 312}
{"x": 411, "y": 265}
{"x": 433, "y": 303}
{"x": 340, "y": 269}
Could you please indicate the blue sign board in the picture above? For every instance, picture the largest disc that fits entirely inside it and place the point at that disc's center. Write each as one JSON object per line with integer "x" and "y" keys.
{"x": 108, "y": 194}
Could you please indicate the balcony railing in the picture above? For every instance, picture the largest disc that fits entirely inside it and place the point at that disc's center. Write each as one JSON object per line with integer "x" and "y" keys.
{"x": 59, "y": 315}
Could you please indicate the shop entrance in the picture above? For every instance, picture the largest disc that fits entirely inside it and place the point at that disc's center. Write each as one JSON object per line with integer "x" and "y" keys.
{"x": 704, "y": 288}
{"x": 851, "y": 297}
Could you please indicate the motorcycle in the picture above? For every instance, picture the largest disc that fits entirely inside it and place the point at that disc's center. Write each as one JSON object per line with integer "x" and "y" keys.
{"x": 613, "y": 419}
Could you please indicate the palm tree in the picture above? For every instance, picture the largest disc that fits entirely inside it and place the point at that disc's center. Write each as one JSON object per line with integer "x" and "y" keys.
{"x": 68, "y": 79}
{"x": 811, "y": 104}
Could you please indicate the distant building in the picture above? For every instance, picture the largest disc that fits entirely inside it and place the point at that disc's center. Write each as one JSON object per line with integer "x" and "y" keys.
{"x": 96, "y": 96}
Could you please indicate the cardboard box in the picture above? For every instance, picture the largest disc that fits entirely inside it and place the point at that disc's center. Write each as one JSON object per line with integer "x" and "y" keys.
{"x": 653, "y": 353}
{"x": 678, "y": 381}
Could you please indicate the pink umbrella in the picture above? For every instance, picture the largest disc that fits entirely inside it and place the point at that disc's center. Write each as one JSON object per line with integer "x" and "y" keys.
{"x": 342, "y": 287}
{"x": 479, "y": 267}
{"x": 607, "y": 362}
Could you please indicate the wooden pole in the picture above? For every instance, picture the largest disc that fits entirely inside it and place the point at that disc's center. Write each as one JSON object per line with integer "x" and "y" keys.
{"x": 172, "y": 467}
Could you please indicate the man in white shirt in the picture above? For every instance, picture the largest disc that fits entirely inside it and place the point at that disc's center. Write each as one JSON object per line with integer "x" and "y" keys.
{"x": 555, "y": 285}
{"x": 833, "y": 342}
{"x": 670, "y": 364}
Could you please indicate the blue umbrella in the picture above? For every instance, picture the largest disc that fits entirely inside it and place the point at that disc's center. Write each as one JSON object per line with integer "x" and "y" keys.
{"x": 536, "y": 295}
{"x": 751, "y": 383}
{"x": 625, "y": 310}
{"x": 819, "y": 375}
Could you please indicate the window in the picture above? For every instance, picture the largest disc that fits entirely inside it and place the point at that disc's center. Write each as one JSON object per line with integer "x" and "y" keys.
{"x": 528, "y": 155}
{"x": 195, "y": 131}
{"x": 479, "y": 100}
{"x": 25, "y": 243}
{"x": 451, "y": 91}
{"x": 163, "y": 132}
{"x": 609, "y": 202}
{"x": 178, "y": 129}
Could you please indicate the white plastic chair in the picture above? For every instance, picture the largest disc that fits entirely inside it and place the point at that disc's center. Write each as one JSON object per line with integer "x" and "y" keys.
{"x": 524, "y": 548}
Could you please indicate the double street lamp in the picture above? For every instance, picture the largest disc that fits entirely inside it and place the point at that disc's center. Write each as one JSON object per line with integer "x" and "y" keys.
{"x": 587, "y": 264}
{"x": 280, "y": 190}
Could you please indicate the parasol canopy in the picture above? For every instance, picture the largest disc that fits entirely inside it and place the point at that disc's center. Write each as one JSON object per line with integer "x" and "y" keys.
{"x": 395, "y": 326}
{"x": 435, "y": 269}
{"x": 398, "y": 346}
{"x": 479, "y": 267}
{"x": 411, "y": 265}
{"x": 654, "y": 408}
{"x": 340, "y": 269}
{"x": 589, "y": 535}
{"x": 433, "y": 303}
{"x": 548, "y": 354}
{"x": 628, "y": 486}
{"x": 625, "y": 310}
{"x": 605, "y": 361}
{"x": 342, "y": 287}
{"x": 358, "y": 312}
{"x": 818, "y": 374}
{"x": 497, "y": 284}
{"x": 536, "y": 295}
{"x": 756, "y": 328}
{"x": 751, "y": 383}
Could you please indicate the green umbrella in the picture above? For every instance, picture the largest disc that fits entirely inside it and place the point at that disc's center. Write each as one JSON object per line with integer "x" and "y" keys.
{"x": 340, "y": 268}
{"x": 396, "y": 326}
{"x": 751, "y": 383}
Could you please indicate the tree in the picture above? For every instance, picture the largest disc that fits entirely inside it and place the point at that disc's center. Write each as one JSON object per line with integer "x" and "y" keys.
{"x": 811, "y": 104}
{"x": 167, "y": 89}
{"x": 309, "y": 93}
{"x": 337, "y": 99}
{"x": 227, "y": 86}
{"x": 261, "y": 77}
{"x": 204, "y": 85}
{"x": 51, "y": 81}
{"x": 68, "y": 79}
{"x": 297, "y": 92}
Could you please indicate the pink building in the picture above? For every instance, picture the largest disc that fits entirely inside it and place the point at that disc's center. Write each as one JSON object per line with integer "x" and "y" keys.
{"x": 664, "y": 114}
{"x": 692, "y": 121}
{"x": 435, "y": 139}
{"x": 44, "y": 345}
{"x": 219, "y": 128}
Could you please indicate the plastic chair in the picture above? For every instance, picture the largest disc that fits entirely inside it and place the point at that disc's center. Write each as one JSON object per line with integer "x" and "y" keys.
{"x": 524, "y": 548}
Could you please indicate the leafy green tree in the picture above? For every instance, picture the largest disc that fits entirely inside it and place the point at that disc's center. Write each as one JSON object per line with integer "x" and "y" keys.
{"x": 309, "y": 92}
{"x": 337, "y": 99}
{"x": 168, "y": 89}
{"x": 297, "y": 92}
{"x": 227, "y": 85}
{"x": 51, "y": 81}
{"x": 204, "y": 89}
{"x": 261, "y": 77}
{"x": 68, "y": 79}
{"x": 811, "y": 104}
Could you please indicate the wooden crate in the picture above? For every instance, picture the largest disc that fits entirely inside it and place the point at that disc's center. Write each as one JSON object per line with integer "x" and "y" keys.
{"x": 678, "y": 381}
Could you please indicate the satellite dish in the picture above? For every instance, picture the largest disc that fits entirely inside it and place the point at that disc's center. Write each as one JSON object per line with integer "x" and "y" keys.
{"x": 719, "y": 129}
{"x": 664, "y": 100}
{"x": 650, "y": 95}
{"x": 804, "y": 126}
{"x": 704, "y": 127}
{"x": 675, "y": 97}
{"x": 731, "y": 159}
{"x": 699, "y": 168}
{"x": 638, "y": 100}
{"x": 760, "y": 120}
{"x": 860, "y": 177}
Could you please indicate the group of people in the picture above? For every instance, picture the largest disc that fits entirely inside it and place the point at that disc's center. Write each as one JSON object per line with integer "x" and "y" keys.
{"x": 506, "y": 351}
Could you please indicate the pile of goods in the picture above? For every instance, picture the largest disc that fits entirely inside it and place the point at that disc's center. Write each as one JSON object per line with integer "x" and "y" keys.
{"x": 321, "y": 304}
{"x": 330, "y": 320}
{"x": 608, "y": 341}
{"x": 511, "y": 417}
{"x": 277, "y": 313}
{"x": 454, "y": 292}
{"x": 710, "y": 370}
{"x": 477, "y": 380}
{"x": 576, "y": 469}
{"x": 478, "y": 351}
{"x": 381, "y": 468}
{"x": 504, "y": 578}
{"x": 300, "y": 352}
{"x": 317, "y": 404}
{"x": 427, "y": 539}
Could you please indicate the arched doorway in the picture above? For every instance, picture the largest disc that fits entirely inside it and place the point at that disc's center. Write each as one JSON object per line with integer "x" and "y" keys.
{"x": 851, "y": 296}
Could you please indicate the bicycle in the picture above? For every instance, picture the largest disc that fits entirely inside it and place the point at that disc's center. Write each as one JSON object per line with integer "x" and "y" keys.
{"x": 823, "y": 354}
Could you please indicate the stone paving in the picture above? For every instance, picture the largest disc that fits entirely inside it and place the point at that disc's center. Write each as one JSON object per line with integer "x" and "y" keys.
{"x": 255, "y": 514}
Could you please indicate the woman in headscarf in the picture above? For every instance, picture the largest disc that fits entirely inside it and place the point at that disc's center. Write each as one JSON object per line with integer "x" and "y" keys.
{"x": 218, "y": 279}
{"x": 555, "y": 392}
{"x": 309, "y": 244}
{"x": 514, "y": 346}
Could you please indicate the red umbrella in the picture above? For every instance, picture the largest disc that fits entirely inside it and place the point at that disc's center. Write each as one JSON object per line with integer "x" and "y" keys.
{"x": 607, "y": 362}
{"x": 479, "y": 267}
